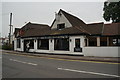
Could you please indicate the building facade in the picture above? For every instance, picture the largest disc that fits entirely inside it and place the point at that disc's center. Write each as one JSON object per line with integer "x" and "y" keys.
{"x": 69, "y": 35}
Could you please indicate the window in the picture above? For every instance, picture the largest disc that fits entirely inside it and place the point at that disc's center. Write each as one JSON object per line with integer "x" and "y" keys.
{"x": 18, "y": 43}
{"x": 28, "y": 44}
{"x": 92, "y": 41}
{"x": 103, "y": 41}
{"x": 60, "y": 26}
{"x": 116, "y": 41}
{"x": 61, "y": 44}
{"x": 43, "y": 44}
{"x": 31, "y": 44}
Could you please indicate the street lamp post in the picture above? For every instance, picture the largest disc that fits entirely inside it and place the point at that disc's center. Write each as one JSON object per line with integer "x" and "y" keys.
{"x": 10, "y": 28}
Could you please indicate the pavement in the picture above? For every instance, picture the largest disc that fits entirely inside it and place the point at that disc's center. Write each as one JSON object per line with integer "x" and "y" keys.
{"x": 69, "y": 57}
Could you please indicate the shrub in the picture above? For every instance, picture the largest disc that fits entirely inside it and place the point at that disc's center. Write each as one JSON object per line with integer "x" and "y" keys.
{"x": 7, "y": 47}
{"x": 0, "y": 46}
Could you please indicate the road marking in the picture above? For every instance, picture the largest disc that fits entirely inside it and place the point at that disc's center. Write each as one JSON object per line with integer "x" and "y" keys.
{"x": 88, "y": 72}
{"x": 63, "y": 59}
{"x": 32, "y": 64}
{"x": 93, "y": 62}
{"x": 83, "y": 61}
{"x": 24, "y": 62}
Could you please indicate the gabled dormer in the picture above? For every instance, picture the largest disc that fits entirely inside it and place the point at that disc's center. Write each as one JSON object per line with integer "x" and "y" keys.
{"x": 65, "y": 20}
{"x": 60, "y": 22}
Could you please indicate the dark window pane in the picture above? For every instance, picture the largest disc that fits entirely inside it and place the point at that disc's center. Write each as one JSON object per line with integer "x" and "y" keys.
{"x": 43, "y": 44}
{"x": 18, "y": 43}
{"x": 61, "y": 44}
{"x": 60, "y": 26}
{"x": 31, "y": 44}
{"x": 92, "y": 41}
{"x": 28, "y": 44}
{"x": 103, "y": 41}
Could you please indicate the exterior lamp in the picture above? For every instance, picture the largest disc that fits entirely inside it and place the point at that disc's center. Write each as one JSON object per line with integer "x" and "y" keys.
{"x": 35, "y": 40}
{"x": 70, "y": 40}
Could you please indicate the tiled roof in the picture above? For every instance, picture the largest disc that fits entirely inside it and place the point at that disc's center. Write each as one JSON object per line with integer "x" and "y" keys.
{"x": 94, "y": 28}
{"x": 111, "y": 29}
{"x": 66, "y": 31}
{"x": 73, "y": 19}
{"x": 78, "y": 27}
{"x": 76, "y": 22}
{"x": 16, "y": 31}
{"x": 32, "y": 29}
{"x": 44, "y": 30}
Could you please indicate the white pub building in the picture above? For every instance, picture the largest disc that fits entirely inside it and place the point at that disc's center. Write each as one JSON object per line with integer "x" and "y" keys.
{"x": 69, "y": 35}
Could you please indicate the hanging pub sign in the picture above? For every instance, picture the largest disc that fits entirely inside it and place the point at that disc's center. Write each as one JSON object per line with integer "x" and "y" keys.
{"x": 116, "y": 42}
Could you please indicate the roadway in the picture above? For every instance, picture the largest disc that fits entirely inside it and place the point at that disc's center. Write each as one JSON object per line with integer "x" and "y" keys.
{"x": 23, "y": 66}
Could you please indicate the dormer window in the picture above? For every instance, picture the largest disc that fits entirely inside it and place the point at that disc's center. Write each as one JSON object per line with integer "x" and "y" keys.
{"x": 60, "y": 26}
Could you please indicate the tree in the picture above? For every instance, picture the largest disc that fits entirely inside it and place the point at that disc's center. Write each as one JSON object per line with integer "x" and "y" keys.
{"x": 111, "y": 11}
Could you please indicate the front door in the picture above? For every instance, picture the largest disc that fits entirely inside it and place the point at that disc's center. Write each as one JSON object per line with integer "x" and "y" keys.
{"x": 25, "y": 47}
{"x": 77, "y": 45}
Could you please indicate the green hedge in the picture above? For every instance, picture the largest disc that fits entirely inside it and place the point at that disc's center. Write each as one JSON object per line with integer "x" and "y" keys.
{"x": 7, "y": 47}
{"x": 0, "y": 46}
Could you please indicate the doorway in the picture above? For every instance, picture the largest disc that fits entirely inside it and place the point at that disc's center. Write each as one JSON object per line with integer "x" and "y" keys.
{"x": 77, "y": 45}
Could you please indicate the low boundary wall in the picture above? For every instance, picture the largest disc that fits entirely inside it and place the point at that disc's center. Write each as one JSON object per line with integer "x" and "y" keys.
{"x": 102, "y": 51}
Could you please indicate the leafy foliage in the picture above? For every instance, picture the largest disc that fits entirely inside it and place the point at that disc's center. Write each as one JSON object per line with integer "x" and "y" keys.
{"x": 111, "y": 11}
{"x": 7, "y": 47}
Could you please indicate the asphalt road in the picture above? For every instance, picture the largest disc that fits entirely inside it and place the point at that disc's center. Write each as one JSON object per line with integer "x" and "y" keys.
{"x": 21, "y": 66}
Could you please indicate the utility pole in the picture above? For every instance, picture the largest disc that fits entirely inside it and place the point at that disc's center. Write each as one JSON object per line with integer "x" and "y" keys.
{"x": 10, "y": 28}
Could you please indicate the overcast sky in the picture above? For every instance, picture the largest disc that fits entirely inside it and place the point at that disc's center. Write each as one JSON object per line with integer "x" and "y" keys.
{"x": 44, "y": 12}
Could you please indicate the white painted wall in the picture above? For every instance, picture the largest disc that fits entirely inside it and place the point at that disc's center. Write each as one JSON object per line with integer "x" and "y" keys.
{"x": 87, "y": 51}
{"x": 72, "y": 43}
{"x": 35, "y": 45}
{"x": 31, "y": 50}
{"x": 51, "y": 48}
{"x": 62, "y": 19}
{"x": 18, "y": 49}
{"x": 101, "y": 51}
{"x": 51, "y": 45}
{"x": 15, "y": 44}
{"x": 22, "y": 45}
